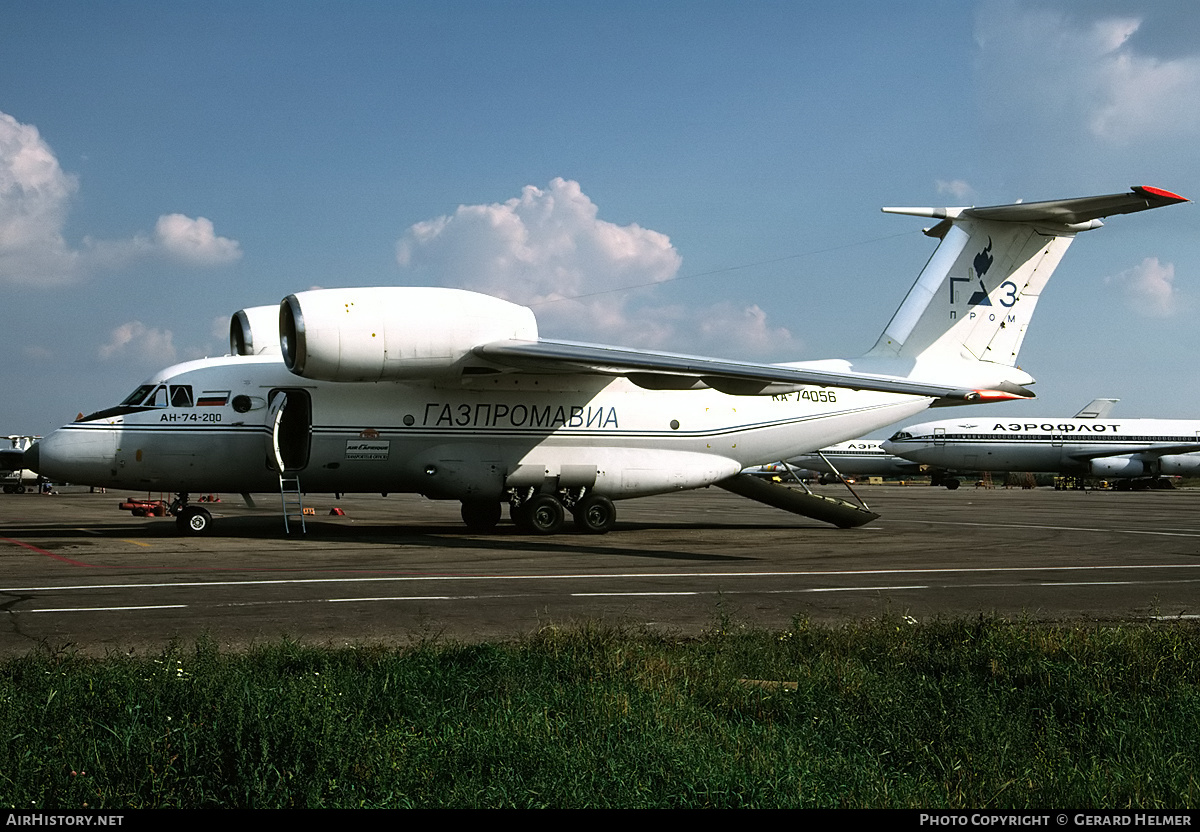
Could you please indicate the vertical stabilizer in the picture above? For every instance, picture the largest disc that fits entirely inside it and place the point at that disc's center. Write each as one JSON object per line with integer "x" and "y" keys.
{"x": 1097, "y": 409}
{"x": 976, "y": 295}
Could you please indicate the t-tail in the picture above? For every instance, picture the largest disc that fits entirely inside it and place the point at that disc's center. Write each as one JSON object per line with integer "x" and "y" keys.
{"x": 969, "y": 310}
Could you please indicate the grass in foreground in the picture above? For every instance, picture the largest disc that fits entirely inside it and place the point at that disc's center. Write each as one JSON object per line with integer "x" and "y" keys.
{"x": 981, "y": 714}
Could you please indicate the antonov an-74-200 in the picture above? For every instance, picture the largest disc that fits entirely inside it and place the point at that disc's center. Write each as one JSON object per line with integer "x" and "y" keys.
{"x": 451, "y": 394}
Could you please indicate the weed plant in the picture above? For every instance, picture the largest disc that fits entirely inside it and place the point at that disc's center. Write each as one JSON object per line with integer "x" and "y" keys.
{"x": 951, "y": 714}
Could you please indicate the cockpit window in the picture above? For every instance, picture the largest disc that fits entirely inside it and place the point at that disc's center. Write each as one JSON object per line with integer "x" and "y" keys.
{"x": 181, "y": 395}
{"x": 901, "y": 435}
{"x": 150, "y": 395}
{"x": 136, "y": 397}
{"x": 144, "y": 398}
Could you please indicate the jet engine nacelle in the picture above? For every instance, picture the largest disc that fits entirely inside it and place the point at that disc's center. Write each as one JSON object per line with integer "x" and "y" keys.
{"x": 1187, "y": 465}
{"x": 254, "y": 330}
{"x": 393, "y": 333}
{"x": 1118, "y": 466}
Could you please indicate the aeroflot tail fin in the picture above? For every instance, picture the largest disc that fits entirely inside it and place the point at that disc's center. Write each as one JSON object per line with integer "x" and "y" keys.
{"x": 1097, "y": 409}
{"x": 976, "y": 295}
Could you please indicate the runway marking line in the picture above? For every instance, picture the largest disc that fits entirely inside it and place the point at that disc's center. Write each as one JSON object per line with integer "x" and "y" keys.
{"x": 627, "y": 594}
{"x": 399, "y": 598}
{"x": 603, "y": 576}
{"x": 114, "y": 609}
{"x": 41, "y": 551}
{"x": 723, "y": 592}
{"x": 1090, "y": 529}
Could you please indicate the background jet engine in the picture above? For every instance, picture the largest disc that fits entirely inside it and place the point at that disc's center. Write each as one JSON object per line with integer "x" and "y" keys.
{"x": 1118, "y": 466}
{"x": 1185, "y": 465}
{"x": 393, "y": 333}
{"x": 254, "y": 330}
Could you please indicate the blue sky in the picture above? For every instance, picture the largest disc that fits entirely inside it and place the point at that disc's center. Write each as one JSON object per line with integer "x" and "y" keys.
{"x": 163, "y": 165}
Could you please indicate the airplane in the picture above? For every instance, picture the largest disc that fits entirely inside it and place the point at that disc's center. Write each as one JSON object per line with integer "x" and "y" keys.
{"x": 867, "y": 457}
{"x": 452, "y": 394}
{"x": 15, "y": 477}
{"x": 1090, "y": 444}
{"x": 856, "y": 458}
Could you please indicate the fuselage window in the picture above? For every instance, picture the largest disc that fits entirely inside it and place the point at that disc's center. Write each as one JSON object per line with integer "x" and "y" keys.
{"x": 181, "y": 395}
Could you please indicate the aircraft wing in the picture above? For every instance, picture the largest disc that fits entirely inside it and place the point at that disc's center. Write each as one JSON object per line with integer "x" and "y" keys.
{"x": 662, "y": 370}
{"x": 1156, "y": 451}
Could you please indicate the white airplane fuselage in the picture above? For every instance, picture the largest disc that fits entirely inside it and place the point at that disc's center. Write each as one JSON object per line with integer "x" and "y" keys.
{"x": 454, "y": 440}
{"x": 1099, "y": 447}
{"x": 860, "y": 457}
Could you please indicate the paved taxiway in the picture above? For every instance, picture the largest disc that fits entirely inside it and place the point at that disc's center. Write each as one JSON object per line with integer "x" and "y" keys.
{"x": 79, "y": 574}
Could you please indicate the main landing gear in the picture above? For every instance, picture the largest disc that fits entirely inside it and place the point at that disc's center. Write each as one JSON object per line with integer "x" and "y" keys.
{"x": 190, "y": 520}
{"x": 543, "y": 513}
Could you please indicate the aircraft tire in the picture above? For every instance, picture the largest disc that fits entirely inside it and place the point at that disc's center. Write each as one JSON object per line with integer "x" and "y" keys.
{"x": 595, "y": 514}
{"x": 194, "y": 521}
{"x": 544, "y": 514}
{"x": 951, "y": 484}
{"x": 481, "y": 515}
{"x": 8, "y": 489}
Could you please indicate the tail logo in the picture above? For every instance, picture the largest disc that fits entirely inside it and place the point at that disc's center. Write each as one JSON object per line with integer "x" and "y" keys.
{"x": 983, "y": 262}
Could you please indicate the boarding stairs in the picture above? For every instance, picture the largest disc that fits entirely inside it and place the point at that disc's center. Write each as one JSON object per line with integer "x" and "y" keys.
{"x": 293, "y": 502}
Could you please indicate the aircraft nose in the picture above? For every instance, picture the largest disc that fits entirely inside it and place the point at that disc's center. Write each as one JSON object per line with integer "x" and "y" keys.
{"x": 32, "y": 458}
{"x": 888, "y": 446}
{"x": 77, "y": 454}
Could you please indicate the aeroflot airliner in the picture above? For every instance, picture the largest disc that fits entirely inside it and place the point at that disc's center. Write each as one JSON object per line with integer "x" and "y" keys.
{"x": 1106, "y": 448}
{"x": 856, "y": 458}
{"x": 453, "y": 395}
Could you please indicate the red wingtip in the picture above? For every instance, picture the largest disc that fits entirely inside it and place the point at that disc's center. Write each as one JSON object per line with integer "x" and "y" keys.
{"x": 1160, "y": 193}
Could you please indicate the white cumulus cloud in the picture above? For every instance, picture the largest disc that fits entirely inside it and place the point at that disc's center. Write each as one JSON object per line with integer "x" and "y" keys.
{"x": 194, "y": 241}
{"x": 959, "y": 189}
{"x": 1082, "y": 75}
{"x": 136, "y": 340}
{"x": 548, "y": 248}
{"x": 543, "y": 245}
{"x": 1149, "y": 288}
{"x": 35, "y": 197}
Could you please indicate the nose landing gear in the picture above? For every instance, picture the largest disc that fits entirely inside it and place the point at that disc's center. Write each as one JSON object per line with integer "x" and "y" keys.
{"x": 190, "y": 520}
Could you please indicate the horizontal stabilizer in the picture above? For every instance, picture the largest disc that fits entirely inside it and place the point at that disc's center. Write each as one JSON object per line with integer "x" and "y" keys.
{"x": 843, "y": 514}
{"x": 1081, "y": 209}
{"x": 1073, "y": 211}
